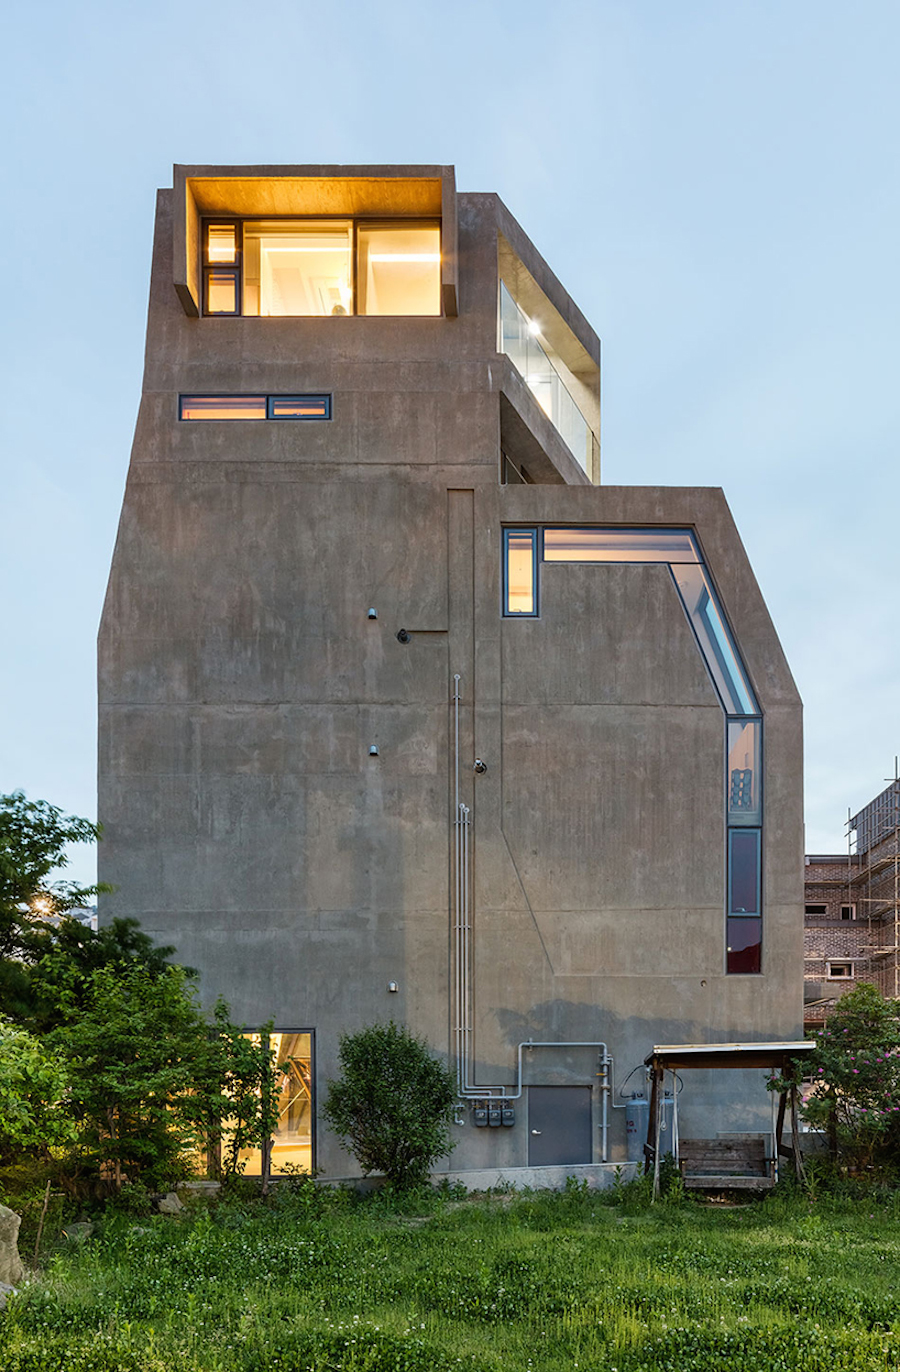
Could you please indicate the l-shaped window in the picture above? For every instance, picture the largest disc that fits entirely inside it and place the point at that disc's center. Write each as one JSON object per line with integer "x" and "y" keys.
{"x": 319, "y": 267}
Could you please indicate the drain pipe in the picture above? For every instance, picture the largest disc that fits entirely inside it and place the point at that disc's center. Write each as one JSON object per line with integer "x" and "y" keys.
{"x": 464, "y": 949}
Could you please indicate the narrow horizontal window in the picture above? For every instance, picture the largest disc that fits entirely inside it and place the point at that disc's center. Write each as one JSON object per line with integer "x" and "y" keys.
{"x": 619, "y": 545}
{"x": 819, "y": 911}
{"x": 255, "y": 407}
{"x": 299, "y": 406}
{"x": 840, "y": 971}
{"x": 744, "y": 945}
{"x": 223, "y": 407}
{"x": 519, "y": 567}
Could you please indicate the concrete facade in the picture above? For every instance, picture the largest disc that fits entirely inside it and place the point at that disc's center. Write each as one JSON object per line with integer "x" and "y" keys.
{"x": 243, "y": 684}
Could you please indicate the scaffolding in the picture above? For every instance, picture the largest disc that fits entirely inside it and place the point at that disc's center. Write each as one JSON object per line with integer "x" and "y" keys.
{"x": 873, "y": 885}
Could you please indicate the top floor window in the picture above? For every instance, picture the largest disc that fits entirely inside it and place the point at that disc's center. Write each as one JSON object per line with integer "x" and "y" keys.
{"x": 318, "y": 267}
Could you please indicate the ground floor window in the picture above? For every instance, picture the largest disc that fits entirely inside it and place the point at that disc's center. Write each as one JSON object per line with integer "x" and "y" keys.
{"x": 293, "y": 1140}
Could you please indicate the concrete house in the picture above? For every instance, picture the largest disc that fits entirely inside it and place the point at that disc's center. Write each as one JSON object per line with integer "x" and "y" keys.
{"x": 402, "y": 713}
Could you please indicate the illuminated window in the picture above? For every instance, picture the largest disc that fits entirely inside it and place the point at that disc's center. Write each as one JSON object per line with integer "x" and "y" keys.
{"x": 399, "y": 269}
{"x": 519, "y": 577}
{"x": 318, "y": 267}
{"x": 292, "y": 1142}
{"x": 678, "y": 550}
{"x": 254, "y": 407}
{"x": 298, "y": 267}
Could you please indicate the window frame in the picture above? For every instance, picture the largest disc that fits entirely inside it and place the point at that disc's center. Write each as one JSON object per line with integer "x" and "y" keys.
{"x": 356, "y": 222}
{"x": 831, "y": 975}
{"x": 268, "y": 402}
{"x": 313, "y": 1098}
{"x": 536, "y": 554}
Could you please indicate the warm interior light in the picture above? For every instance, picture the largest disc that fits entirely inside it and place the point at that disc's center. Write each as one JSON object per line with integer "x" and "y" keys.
{"x": 404, "y": 257}
{"x": 533, "y": 328}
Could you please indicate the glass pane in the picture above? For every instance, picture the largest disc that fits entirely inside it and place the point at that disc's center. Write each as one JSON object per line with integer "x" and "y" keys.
{"x": 520, "y": 572}
{"x": 619, "y": 545}
{"x": 743, "y": 872}
{"x": 223, "y": 407}
{"x": 221, "y": 243}
{"x": 294, "y": 267}
{"x": 221, "y": 292}
{"x": 292, "y": 1142}
{"x": 519, "y": 341}
{"x": 716, "y": 646}
{"x": 744, "y": 797}
{"x": 399, "y": 270}
{"x": 299, "y": 406}
{"x": 744, "y": 944}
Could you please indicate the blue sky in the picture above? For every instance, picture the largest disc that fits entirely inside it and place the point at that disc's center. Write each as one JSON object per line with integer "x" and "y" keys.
{"x": 715, "y": 183}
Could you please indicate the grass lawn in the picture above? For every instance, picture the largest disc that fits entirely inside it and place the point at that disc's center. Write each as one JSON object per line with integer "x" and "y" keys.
{"x": 537, "y": 1282}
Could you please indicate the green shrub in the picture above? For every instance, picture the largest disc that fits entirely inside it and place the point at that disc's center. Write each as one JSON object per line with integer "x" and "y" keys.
{"x": 393, "y": 1104}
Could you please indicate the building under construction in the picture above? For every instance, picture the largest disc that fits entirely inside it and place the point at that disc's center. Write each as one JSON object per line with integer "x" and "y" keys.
{"x": 852, "y": 925}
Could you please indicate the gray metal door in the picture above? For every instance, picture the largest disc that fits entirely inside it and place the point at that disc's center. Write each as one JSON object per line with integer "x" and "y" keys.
{"x": 559, "y": 1125}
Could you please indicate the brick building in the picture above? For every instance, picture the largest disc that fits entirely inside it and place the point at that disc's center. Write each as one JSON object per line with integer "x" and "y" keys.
{"x": 852, "y": 911}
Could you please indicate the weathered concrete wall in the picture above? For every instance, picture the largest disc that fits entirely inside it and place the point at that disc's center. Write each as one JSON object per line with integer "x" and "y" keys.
{"x": 241, "y": 685}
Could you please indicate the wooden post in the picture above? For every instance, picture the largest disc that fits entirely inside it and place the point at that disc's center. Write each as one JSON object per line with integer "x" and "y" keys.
{"x": 652, "y": 1136}
{"x": 658, "y": 1077}
{"x": 37, "y": 1242}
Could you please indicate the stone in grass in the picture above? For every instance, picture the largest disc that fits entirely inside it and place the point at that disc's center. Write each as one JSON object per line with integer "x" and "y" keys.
{"x": 5, "y": 1290}
{"x": 170, "y": 1204}
{"x": 11, "y": 1269}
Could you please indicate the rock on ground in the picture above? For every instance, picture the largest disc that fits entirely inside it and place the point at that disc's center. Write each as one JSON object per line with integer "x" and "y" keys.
{"x": 11, "y": 1269}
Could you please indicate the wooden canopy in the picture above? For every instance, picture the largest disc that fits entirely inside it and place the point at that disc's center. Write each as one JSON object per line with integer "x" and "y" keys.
{"x": 780, "y": 1057}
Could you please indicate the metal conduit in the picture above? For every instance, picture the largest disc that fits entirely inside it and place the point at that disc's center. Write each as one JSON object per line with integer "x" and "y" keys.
{"x": 462, "y": 1033}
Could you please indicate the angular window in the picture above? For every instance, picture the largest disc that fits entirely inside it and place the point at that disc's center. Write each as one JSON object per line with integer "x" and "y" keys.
{"x": 840, "y": 971}
{"x": 519, "y": 572}
{"x": 716, "y": 642}
{"x": 399, "y": 269}
{"x": 816, "y": 911}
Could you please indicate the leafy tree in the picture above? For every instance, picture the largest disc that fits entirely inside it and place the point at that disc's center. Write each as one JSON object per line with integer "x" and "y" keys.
{"x": 47, "y": 957}
{"x": 132, "y": 1052}
{"x": 237, "y": 1096}
{"x": 393, "y": 1104}
{"x": 856, "y": 1066}
{"x": 33, "y": 1087}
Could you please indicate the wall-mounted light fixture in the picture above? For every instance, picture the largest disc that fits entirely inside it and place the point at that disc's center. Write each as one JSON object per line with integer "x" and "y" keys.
{"x": 392, "y": 986}
{"x": 373, "y": 750}
{"x": 373, "y": 614}
{"x": 480, "y": 765}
